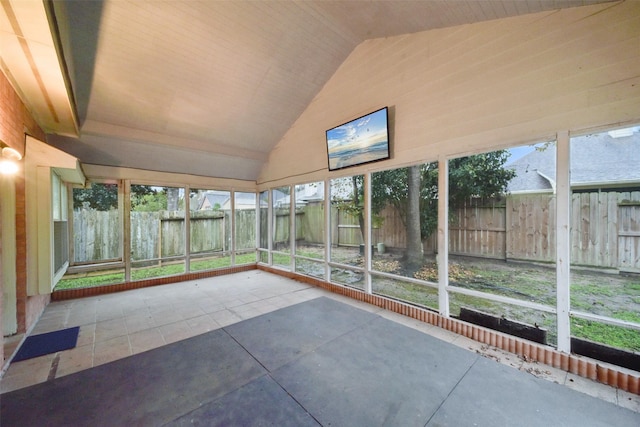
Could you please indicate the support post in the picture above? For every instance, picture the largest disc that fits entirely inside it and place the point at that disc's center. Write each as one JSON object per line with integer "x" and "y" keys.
{"x": 443, "y": 236}
{"x": 563, "y": 236}
{"x": 368, "y": 253}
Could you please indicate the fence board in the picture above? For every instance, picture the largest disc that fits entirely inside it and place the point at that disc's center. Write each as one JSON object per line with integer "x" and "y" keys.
{"x": 172, "y": 237}
{"x": 391, "y": 229}
{"x": 310, "y": 224}
{"x": 145, "y": 235}
{"x": 208, "y": 230}
{"x": 629, "y": 237}
{"x": 281, "y": 220}
{"x": 478, "y": 229}
{"x": 531, "y": 228}
{"x": 94, "y": 237}
{"x": 245, "y": 229}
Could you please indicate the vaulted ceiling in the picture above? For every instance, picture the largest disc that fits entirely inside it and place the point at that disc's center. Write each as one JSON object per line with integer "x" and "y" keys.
{"x": 201, "y": 87}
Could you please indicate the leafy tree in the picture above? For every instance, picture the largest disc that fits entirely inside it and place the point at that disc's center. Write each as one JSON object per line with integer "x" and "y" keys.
{"x": 482, "y": 175}
{"x": 101, "y": 197}
{"x": 146, "y": 198}
{"x": 413, "y": 191}
{"x": 348, "y": 196}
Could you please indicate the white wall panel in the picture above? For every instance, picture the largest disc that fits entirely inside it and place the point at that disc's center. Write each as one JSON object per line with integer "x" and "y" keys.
{"x": 475, "y": 87}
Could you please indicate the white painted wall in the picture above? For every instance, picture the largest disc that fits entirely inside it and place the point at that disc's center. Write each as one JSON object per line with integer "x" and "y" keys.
{"x": 8, "y": 255}
{"x": 476, "y": 87}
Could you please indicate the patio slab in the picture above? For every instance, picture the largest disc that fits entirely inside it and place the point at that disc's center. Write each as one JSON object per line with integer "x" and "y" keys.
{"x": 318, "y": 362}
{"x": 381, "y": 373}
{"x": 150, "y": 388}
{"x": 492, "y": 394}
{"x": 259, "y": 403}
{"x": 299, "y": 329}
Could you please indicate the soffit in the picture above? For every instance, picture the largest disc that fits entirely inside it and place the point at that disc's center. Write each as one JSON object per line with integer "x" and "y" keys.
{"x": 31, "y": 64}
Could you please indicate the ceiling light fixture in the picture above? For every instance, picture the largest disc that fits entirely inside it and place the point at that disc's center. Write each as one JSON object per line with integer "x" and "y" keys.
{"x": 9, "y": 161}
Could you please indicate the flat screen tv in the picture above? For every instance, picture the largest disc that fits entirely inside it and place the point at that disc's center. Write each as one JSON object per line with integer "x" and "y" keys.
{"x": 363, "y": 140}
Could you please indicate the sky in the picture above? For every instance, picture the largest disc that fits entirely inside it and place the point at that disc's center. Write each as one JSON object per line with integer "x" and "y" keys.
{"x": 358, "y": 132}
{"x": 518, "y": 152}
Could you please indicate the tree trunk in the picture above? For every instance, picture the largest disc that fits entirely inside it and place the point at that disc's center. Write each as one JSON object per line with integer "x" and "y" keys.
{"x": 172, "y": 198}
{"x": 356, "y": 198}
{"x": 414, "y": 255}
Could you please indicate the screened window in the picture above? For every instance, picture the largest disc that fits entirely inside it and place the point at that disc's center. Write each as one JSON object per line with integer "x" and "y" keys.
{"x": 347, "y": 231}
{"x": 210, "y": 232}
{"x": 605, "y": 238}
{"x": 281, "y": 238}
{"x": 502, "y": 237}
{"x": 157, "y": 231}
{"x": 245, "y": 227}
{"x": 309, "y": 229}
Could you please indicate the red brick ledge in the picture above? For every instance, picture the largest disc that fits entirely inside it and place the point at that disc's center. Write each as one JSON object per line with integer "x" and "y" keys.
{"x": 66, "y": 294}
{"x": 587, "y": 368}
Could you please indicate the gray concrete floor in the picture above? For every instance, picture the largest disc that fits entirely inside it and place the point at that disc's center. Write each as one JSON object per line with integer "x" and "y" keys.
{"x": 119, "y": 325}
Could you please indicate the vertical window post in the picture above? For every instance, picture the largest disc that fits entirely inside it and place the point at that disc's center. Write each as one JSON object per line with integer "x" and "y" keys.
{"x": 126, "y": 235}
{"x": 563, "y": 235}
{"x": 327, "y": 229}
{"x": 292, "y": 227}
{"x": 367, "y": 233}
{"x": 443, "y": 236}
{"x": 187, "y": 229}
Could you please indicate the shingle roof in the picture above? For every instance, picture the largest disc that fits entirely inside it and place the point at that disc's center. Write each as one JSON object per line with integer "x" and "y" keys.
{"x": 596, "y": 161}
{"x": 215, "y": 198}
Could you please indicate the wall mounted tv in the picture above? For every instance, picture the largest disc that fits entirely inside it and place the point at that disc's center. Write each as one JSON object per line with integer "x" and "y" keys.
{"x": 359, "y": 141}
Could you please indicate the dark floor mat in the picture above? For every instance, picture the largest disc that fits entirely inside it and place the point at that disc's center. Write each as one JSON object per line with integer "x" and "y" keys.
{"x": 51, "y": 342}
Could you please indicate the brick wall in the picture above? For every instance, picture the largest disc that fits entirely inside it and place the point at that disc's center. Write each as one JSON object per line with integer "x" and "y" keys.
{"x": 16, "y": 122}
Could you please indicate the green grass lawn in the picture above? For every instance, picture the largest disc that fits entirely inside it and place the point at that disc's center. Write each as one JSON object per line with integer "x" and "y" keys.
{"x": 86, "y": 280}
{"x": 613, "y": 336}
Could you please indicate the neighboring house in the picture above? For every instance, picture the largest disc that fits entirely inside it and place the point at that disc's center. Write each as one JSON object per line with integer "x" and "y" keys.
{"x": 311, "y": 192}
{"x": 278, "y": 199}
{"x": 213, "y": 199}
{"x": 599, "y": 162}
{"x": 216, "y": 199}
{"x": 305, "y": 194}
{"x": 285, "y": 201}
{"x": 243, "y": 201}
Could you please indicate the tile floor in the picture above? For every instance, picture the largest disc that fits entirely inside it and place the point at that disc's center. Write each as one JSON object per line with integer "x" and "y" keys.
{"x": 118, "y": 325}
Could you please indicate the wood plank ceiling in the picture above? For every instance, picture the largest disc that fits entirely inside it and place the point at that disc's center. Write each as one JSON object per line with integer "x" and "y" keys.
{"x": 210, "y": 87}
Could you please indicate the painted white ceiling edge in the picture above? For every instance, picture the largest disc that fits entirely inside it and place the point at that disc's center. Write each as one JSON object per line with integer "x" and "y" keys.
{"x": 38, "y": 153}
{"x": 205, "y": 88}
{"x": 31, "y": 64}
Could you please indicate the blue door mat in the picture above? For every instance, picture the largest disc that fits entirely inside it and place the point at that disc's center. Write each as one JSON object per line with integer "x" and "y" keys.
{"x": 50, "y": 342}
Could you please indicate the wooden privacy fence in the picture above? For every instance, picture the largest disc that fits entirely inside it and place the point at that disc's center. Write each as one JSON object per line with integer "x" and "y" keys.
{"x": 158, "y": 234}
{"x": 245, "y": 229}
{"x": 605, "y": 230}
{"x": 95, "y": 235}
